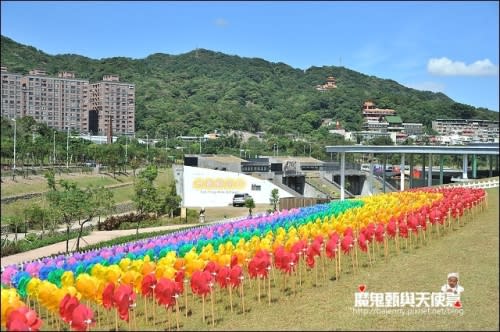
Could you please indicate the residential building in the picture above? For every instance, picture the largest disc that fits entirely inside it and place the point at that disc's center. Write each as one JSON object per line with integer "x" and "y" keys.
{"x": 111, "y": 105}
{"x": 66, "y": 102}
{"x": 11, "y": 94}
{"x": 60, "y": 102}
{"x": 413, "y": 128}
{"x": 473, "y": 130}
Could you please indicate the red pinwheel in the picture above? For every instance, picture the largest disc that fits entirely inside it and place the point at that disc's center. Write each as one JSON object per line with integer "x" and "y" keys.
{"x": 107, "y": 295}
{"x": 234, "y": 260}
{"x": 236, "y": 275}
{"x": 223, "y": 276}
{"x": 347, "y": 243}
{"x": 283, "y": 259}
{"x": 124, "y": 298}
{"x": 370, "y": 231}
{"x": 23, "y": 319}
{"x": 379, "y": 233}
{"x": 213, "y": 268}
{"x": 391, "y": 228}
{"x": 148, "y": 284}
{"x": 362, "y": 241}
{"x": 67, "y": 306}
{"x": 411, "y": 223}
{"x": 259, "y": 265}
{"x": 348, "y": 231}
{"x": 179, "y": 281}
{"x": 201, "y": 282}
{"x": 331, "y": 246}
{"x": 403, "y": 229}
{"x": 298, "y": 248}
{"x": 81, "y": 318}
{"x": 166, "y": 292}
{"x": 312, "y": 251}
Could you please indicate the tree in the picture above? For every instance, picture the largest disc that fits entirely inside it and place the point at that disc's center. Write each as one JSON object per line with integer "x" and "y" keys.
{"x": 275, "y": 198}
{"x": 69, "y": 204}
{"x": 98, "y": 201}
{"x": 172, "y": 200}
{"x": 145, "y": 197}
{"x": 37, "y": 214}
{"x": 249, "y": 204}
{"x": 135, "y": 163}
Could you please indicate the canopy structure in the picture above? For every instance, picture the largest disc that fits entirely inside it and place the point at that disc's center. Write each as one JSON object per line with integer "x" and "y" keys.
{"x": 430, "y": 150}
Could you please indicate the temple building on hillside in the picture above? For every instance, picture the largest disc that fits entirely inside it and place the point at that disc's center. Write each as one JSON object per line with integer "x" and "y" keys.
{"x": 331, "y": 83}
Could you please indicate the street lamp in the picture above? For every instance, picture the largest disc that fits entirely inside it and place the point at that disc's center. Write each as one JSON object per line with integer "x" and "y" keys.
{"x": 54, "y": 149}
{"x": 15, "y": 133}
{"x": 67, "y": 149}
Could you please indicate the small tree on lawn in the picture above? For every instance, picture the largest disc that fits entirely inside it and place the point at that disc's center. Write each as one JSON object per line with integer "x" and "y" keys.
{"x": 98, "y": 201}
{"x": 145, "y": 197}
{"x": 172, "y": 200}
{"x": 275, "y": 198}
{"x": 37, "y": 214}
{"x": 69, "y": 203}
{"x": 249, "y": 204}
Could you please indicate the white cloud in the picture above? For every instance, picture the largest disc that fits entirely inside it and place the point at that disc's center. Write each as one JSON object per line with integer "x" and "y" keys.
{"x": 427, "y": 86}
{"x": 220, "y": 22}
{"x": 446, "y": 67}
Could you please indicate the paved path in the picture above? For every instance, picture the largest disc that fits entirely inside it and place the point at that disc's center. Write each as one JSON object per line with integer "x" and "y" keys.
{"x": 92, "y": 238}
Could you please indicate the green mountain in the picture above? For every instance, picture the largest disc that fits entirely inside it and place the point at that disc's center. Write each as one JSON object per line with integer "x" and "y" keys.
{"x": 202, "y": 90}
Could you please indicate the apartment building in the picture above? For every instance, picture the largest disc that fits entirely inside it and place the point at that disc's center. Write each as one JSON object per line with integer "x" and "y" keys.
{"x": 476, "y": 130}
{"x": 60, "y": 102}
{"x": 11, "y": 94}
{"x": 111, "y": 105}
{"x": 65, "y": 102}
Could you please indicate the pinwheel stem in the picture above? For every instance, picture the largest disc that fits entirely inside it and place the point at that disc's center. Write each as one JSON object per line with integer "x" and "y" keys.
{"x": 258, "y": 284}
{"x": 315, "y": 273}
{"x": 323, "y": 267}
{"x": 242, "y": 298}
{"x": 269, "y": 289}
{"x": 213, "y": 314}
{"x": 186, "y": 301}
{"x": 386, "y": 248}
{"x": 203, "y": 307}
{"x": 356, "y": 255}
{"x": 336, "y": 261}
{"x": 352, "y": 259}
{"x": 369, "y": 254}
{"x": 230, "y": 297}
{"x": 168, "y": 317}
{"x": 145, "y": 310}
{"x": 177, "y": 313}
{"x": 397, "y": 242}
{"x": 135, "y": 320}
{"x": 116, "y": 319}
{"x": 339, "y": 253}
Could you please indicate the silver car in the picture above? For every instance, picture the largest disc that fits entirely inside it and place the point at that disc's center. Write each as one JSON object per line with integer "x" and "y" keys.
{"x": 239, "y": 199}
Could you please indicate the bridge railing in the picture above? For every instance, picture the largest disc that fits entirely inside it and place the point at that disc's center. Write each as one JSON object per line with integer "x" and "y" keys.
{"x": 483, "y": 183}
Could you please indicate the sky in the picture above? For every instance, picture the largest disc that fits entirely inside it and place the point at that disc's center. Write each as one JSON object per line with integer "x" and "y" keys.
{"x": 446, "y": 46}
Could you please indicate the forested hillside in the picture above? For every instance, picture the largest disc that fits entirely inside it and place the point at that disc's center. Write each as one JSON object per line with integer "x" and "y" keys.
{"x": 202, "y": 90}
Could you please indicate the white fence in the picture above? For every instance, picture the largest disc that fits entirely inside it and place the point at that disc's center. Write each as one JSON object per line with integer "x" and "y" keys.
{"x": 483, "y": 183}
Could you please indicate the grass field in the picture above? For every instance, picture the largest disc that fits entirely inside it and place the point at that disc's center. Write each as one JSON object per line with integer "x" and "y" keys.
{"x": 470, "y": 249}
{"x": 39, "y": 184}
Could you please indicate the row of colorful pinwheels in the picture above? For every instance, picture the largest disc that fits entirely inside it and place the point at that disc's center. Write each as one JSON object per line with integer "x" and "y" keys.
{"x": 224, "y": 256}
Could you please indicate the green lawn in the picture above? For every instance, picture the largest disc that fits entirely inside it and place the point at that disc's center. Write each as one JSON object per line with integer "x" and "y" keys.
{"x": 38, "y": 184}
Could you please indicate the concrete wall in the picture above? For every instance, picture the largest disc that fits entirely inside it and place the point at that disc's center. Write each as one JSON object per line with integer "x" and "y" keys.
{"x": 211, "y": 188}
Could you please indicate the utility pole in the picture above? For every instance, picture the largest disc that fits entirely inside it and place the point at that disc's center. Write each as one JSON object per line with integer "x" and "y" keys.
{"x": 67, "y": 149}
